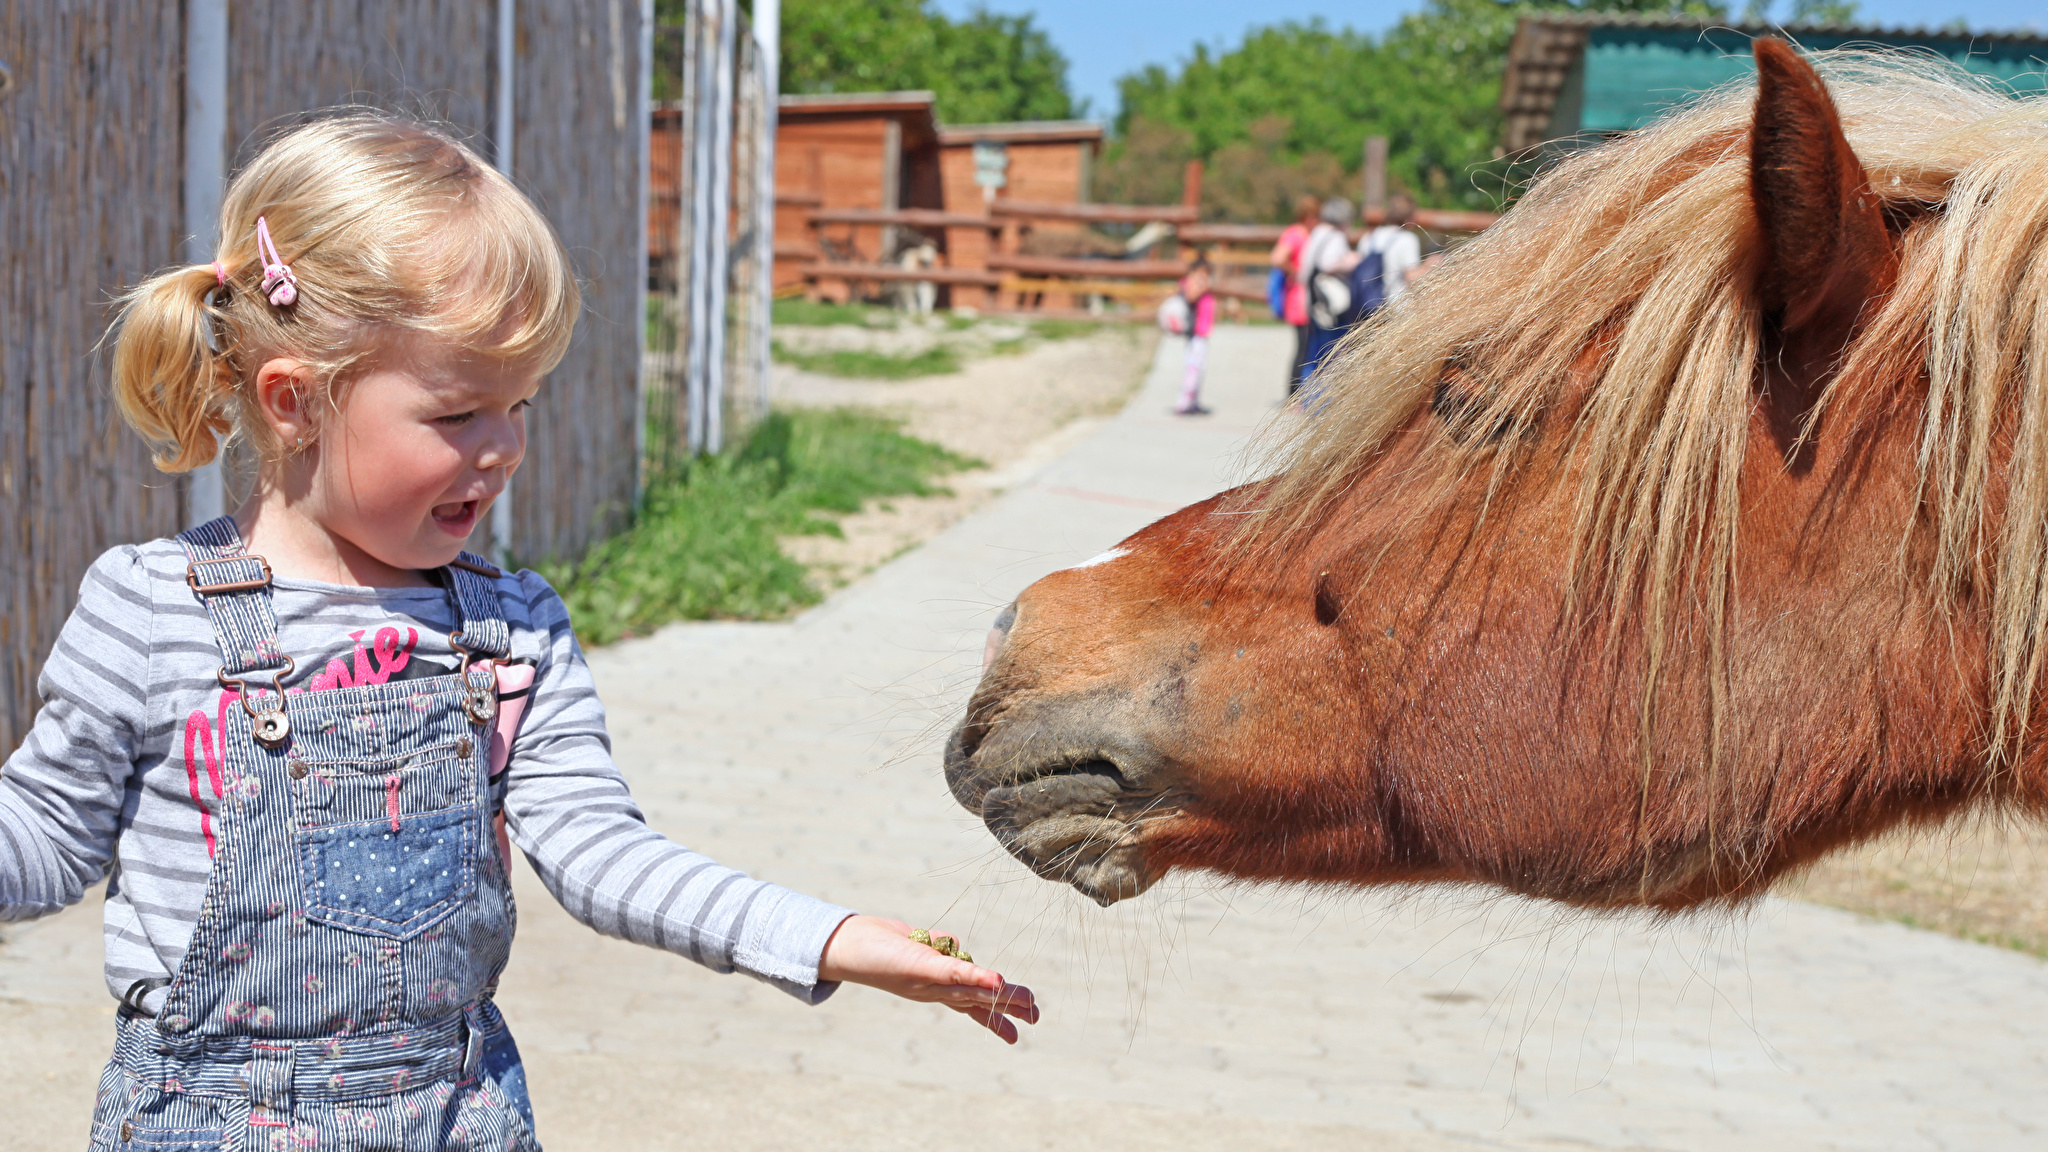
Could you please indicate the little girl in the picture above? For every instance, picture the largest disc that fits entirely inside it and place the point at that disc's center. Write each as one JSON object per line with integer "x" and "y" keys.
{"x": 299, "y": 738}
{"x": 1194, "y": 288}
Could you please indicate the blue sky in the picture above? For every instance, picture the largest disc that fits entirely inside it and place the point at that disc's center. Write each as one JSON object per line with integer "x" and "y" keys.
{"x": 1106, "y": 38}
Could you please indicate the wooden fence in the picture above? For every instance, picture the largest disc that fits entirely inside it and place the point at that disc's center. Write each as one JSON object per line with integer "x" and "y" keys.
{"x": 1239, "y": 252}
{"x": 93, "y": 196}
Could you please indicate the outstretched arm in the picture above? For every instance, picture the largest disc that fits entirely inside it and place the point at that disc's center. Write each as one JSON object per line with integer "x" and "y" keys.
{"x": 568, "y": 809}
{"x": 61, "y": 791}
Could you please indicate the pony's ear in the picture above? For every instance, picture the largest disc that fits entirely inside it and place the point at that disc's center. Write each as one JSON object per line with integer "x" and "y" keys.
{"x": 1826, "y": 251}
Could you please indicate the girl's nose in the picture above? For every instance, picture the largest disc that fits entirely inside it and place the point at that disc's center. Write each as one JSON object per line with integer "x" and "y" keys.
{"x": 503, "y": 448}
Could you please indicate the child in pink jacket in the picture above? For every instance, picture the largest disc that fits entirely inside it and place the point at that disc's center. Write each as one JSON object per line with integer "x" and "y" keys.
{"x": 1194, "y": 288}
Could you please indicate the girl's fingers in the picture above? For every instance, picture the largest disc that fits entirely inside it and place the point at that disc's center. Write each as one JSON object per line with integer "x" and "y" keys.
{"x": 1012, "y": 1000}
{"x": 995, "y": 1022}
{"x": 1017, "y": 1000}
{"x": 976, "y": 976}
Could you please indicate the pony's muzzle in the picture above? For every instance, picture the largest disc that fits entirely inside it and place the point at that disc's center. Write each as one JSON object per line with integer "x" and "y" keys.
{"x": 1074, "y": 814}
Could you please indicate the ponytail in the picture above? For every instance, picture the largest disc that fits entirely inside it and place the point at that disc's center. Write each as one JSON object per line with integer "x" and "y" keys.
{"x": 172, "y": 377}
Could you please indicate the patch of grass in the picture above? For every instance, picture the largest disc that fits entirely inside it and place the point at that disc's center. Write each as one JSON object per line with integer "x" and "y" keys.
{"x": 1994, "y": 939}
{"x": 861, "y": 363}
{"x": 796, "y": 310}
{"x": 1057, "y": 328}
{"x": 704, "y": 544}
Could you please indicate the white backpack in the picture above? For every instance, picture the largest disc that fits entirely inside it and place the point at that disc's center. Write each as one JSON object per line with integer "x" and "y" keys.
{"x": 1174, "y": 316}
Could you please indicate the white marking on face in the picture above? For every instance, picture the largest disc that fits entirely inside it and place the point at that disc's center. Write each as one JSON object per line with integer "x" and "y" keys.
{"x": 1101, "y": 558}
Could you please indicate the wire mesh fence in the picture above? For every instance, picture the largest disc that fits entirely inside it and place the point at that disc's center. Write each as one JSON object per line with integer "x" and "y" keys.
{"x": 709, "y": 234}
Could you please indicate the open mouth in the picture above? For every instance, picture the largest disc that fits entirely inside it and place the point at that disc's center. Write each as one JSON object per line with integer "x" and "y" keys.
{"x": 458, "y": 517}
{"x": 1077, "y": 822}
{"x": 1069, "y": 827}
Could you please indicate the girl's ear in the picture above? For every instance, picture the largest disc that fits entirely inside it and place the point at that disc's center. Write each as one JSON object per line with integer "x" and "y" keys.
{"x": 284, "y": 390}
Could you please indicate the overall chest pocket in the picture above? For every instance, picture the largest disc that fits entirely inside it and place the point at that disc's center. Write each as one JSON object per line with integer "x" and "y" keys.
{"x": 386, "y": 847}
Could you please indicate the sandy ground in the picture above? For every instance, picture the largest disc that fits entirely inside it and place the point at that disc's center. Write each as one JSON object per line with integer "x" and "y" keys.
{"x": 1013, "y": 410}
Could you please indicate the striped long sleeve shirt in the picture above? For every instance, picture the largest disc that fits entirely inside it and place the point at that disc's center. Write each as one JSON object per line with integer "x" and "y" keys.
{"x": 111, "y": 778}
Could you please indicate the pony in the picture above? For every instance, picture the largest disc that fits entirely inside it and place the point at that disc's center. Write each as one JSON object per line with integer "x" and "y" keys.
{"x": 1687, "y": 525}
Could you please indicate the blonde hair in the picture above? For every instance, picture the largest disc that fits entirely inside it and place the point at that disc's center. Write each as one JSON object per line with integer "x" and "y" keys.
{"x": 390, "y": 227}
{"x": 1613, "y": 308}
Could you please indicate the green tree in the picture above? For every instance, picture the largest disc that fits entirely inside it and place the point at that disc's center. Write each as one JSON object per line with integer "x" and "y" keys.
{"x": 1430, "y": 84}
{"x": 995, "y": 67}
{"x": 983, "y": 68}
{"x": 1146, "y": 164}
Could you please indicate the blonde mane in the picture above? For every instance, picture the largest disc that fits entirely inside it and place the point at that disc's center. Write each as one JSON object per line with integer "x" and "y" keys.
{"x": 1642, "y": 250}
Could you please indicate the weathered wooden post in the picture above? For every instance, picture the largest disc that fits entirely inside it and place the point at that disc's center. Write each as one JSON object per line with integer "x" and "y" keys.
{"x": 503, "y": 129}
{"x": 1374, "y": 206}
{"x": 206, "y": 165}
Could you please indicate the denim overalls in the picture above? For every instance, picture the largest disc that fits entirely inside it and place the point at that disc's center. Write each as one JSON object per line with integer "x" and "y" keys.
{"x": 337, "y": 992}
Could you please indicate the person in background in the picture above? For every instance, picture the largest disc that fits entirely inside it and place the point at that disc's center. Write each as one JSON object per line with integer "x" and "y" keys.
{"x": 1399, "y": 247}
{"x": 1327, "y": 251}
{"x": 1430, "y": 263}
{"x": 1194, "y": 288}
{"x": 1294, "y": 309}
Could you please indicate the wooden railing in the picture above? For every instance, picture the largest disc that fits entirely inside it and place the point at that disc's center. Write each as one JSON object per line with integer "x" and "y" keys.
{"x": 984, "y": 250}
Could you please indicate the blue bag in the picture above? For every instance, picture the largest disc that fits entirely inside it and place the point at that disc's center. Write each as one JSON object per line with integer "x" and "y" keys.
{"x": 1368, "y": 287}
{"x": 1276, "y": 293}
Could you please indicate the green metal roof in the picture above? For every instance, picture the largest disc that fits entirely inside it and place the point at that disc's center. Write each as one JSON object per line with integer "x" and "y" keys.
{"x": 1576, "y": 77}
{"x": 1630, "y": 74}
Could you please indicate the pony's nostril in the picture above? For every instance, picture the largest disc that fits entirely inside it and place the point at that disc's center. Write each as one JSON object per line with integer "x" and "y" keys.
{"x": 997, "y": 635}
{"x": 1328, "y": 606}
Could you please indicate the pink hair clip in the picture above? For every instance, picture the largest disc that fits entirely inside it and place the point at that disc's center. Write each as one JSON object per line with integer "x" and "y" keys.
{"x": 220, "y": 274}
{"x": 278, "y": 282}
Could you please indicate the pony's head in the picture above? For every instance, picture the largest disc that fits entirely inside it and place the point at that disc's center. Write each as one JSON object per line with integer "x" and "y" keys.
{"x": 1689, "y": 523}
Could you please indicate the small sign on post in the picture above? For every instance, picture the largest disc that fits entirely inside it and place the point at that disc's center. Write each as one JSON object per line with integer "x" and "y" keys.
{"x": 991, "y": 166}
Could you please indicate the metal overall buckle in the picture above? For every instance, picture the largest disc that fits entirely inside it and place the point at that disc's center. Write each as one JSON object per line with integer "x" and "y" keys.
{"x": 225, "y": 586}
{"x": 272, "y": 728}
{"x": 479, "y": 702}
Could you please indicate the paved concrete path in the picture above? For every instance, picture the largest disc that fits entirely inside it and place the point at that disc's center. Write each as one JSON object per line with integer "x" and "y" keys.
{"x": 1193, "y": 1018}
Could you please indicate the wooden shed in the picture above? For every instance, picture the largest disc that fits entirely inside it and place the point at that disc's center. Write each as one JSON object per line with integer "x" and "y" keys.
{"x": 1034, "y": 161}
{"x": 859, "y": 176}
{"x": 863, "y": 150}
{"x": 1044, "y": 161}
{"x": 1578, "y": 79}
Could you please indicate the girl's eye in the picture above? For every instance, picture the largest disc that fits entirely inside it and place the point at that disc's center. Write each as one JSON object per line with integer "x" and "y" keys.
{"x": 457, "y": 420}
{"x": 522, "y": 406}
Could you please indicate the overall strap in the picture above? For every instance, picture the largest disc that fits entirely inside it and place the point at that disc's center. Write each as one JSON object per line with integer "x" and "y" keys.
{"x": 481, "y": 633}
{"x": 235, "y": 588}
{"x": 483, "y": 628}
